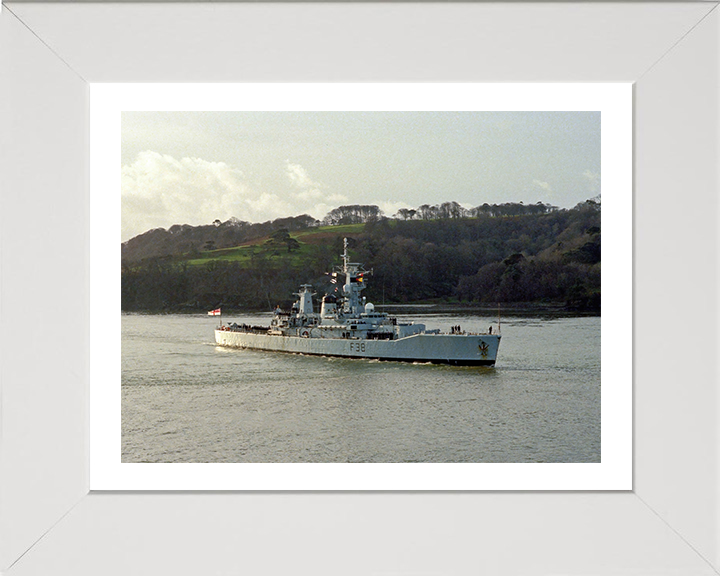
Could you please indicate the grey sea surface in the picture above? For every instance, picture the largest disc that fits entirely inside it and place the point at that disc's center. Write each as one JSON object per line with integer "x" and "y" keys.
{"x": 184, "y": 399}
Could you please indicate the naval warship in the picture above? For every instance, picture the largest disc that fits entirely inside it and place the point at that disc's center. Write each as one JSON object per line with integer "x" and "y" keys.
{"x": 347, "y": 325}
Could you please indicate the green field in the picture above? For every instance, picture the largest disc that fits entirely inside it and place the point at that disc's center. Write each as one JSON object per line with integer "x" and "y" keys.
{"x": 310, "y": 241}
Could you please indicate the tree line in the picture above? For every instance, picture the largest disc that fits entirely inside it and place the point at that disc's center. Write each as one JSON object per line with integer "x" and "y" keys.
{"x": 546, "y": 256}
{"x": 187, "y": 239}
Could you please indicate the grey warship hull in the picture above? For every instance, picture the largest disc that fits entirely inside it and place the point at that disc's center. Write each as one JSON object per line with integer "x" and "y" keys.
{"x": 454, "y": 349}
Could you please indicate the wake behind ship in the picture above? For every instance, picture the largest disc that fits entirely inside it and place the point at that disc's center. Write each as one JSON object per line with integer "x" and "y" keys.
{"x": 350, "y": 327}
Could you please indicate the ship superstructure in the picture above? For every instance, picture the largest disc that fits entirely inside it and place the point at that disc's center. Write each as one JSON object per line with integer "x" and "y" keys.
{"x": 347, "y": 325}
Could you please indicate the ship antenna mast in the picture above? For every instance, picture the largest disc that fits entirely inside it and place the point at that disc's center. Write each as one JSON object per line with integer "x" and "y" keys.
{"x": 345, "y": 256}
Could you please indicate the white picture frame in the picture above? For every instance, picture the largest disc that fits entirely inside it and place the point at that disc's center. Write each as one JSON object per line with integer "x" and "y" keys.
{"x": 611, "y": 101}
{"x": 668, "y": 523}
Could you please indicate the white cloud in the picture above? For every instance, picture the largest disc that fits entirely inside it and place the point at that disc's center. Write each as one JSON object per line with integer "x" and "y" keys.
{"x": 299, "y": 176}
{"x": 593, "y": 179}
{"x": 160, "y": 191}
{"x": 307, "y": 189}
{"x": 390, "y": 208}
{"x": 544, "y": 185}
{"x": 309, "y": 195}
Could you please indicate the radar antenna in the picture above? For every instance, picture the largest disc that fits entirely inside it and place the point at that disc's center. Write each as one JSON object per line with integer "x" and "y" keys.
{"x": 345, "y": 256}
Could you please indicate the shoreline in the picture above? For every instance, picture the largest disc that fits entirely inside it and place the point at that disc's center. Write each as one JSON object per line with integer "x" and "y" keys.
{"x": 506, "y": 309}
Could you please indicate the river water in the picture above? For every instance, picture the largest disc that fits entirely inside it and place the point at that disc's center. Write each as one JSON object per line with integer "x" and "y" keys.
{"x": 186, "y": 400}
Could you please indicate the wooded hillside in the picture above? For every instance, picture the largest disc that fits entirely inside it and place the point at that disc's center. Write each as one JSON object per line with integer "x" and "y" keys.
{"x": 508, "y": 253}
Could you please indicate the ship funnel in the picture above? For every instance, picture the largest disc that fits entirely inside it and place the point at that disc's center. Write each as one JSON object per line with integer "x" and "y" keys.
{"x": 305, "y": 303}
{"x": 328, "y": 308}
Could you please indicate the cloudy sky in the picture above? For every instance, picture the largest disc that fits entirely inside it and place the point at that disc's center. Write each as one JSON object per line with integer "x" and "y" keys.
{"x": 195, "y": 167}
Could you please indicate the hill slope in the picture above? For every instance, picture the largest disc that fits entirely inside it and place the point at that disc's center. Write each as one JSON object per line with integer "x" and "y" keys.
{"x": 547, "y": 257}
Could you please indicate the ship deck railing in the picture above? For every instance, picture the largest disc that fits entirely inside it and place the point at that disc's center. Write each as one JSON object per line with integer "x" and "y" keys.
{"x": 467, "y": 333}
{"x": 246, "y": 328}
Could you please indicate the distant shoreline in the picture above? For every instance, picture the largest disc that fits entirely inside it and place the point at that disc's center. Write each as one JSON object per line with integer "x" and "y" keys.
{"x": 507, "y": 309}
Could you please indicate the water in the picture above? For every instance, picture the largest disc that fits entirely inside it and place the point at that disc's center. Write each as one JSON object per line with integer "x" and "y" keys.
{"x": 186, "y": 400}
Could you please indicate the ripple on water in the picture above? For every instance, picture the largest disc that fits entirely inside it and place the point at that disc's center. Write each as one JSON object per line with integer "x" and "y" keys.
{"x": 184, "y": 399}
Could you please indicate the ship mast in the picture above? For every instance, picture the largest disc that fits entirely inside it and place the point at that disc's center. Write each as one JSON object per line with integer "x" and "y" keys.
{"x": 353, "y": 282}
{"x": 346, "y": 260}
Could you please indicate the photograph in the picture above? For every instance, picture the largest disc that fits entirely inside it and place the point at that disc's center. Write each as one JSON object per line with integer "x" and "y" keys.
{"x": 361, "y": 287}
